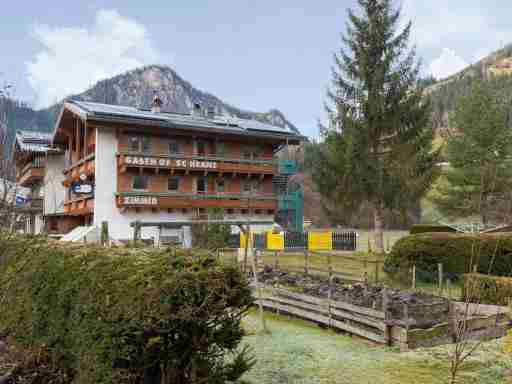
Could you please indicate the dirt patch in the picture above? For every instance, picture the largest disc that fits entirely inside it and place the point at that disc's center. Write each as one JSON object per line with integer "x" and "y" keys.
{"x": 414, "y": 309}
{"x": 22, "y": 366}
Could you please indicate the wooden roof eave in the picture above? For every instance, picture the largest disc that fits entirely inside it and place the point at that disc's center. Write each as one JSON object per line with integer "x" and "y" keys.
{"x": 74, "y": 110}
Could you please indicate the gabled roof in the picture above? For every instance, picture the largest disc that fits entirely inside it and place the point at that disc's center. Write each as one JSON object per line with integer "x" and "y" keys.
{"x": 32, "y": 141}
{"x": 114, "y": 113}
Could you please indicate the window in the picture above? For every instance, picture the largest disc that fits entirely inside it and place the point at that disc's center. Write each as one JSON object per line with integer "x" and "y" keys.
{"x": 220, "y": 149}
{"x": 140, "y": 182}
{"x": 140, "y": 144}
{"x": 201, "y": 147}
{"x": 251, "y": 186}
{"x": 221, "y": 186}
{"x": 257, "y": 186}
{"x": 247, "y": 153}
{"x": 202, "y": 185}
{"x": 174, "y": 147}
{"x": 146, "y": 144}
{"x": 173, "y": 184}
{"x": 252, "y": 152}
{"x": 134, "y": 144}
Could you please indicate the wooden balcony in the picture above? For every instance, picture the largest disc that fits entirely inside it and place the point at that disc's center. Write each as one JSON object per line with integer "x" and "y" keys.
{"x": 31, "y": 174}
{"x": 86, "y": 166}
{"x": 190, "y": 163}
{"x": 79, "y": 206}
{"x": 194, "y": 200}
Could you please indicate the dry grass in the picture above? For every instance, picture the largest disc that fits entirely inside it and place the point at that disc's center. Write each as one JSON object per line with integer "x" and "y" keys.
{"x": 298, "y": 352}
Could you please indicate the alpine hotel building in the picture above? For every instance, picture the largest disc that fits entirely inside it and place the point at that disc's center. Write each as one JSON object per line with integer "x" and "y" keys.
{"x": 165, "y": 170}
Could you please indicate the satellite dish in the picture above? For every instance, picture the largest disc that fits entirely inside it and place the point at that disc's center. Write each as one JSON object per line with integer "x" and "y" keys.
{"x": 83, "y": 177}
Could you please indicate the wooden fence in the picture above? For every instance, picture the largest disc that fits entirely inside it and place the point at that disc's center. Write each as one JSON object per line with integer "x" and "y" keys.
{"x": 379, "y": 326}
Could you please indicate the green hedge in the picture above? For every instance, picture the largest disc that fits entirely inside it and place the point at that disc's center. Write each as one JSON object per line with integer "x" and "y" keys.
{"x": 121, "y": 315}
{"x": 459, "y": 253}
{"x": 427, "y": 228}
{"x": 485, "y": 289}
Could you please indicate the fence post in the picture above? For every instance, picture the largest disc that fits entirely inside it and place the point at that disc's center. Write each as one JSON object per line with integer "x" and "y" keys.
{"x": 306, "y": 266}
{"x": 104, "y": 233}
{"x": 329, "y": 266}
{"x": 136, "y": 232}
{"x": 276, "y": 263}
{"x": 385, "y": 309}
{"x": 440, "y": 277}
{"x": 376, "y": 271}
{"x": 329, "y": 298}
{"x": 260, "y": 296}
{"x": 449, "y": 288}
{"x": 414, "y": 276}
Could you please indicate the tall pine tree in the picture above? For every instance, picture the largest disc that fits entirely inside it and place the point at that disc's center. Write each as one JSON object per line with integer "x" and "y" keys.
{"x": 478, "y": 180}
{"x": 378, "y": 148}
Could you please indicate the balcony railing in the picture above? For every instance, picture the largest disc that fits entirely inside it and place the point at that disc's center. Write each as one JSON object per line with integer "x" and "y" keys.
{"x": 37, "y": 163}
{"x": 212, "y": 163}
{"x": 80, "y": 206}
{"x": 85, "y": 166}
{"x": 195, "y": 200}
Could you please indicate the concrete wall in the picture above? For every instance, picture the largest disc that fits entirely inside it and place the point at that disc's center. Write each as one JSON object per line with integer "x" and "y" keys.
{"x": 54, "y": 191}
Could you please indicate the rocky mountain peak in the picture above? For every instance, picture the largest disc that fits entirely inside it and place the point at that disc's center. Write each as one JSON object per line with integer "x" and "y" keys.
{"x": 137, "y": 88}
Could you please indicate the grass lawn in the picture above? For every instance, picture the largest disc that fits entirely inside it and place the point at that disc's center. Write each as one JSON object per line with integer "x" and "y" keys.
{"x": 302, "y": 353}
{"x": 351, "y": 264}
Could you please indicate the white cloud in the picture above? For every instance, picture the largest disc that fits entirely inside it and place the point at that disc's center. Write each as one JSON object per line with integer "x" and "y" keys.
{"x": 73, "y": 59}
{"x": 447, "y": 64}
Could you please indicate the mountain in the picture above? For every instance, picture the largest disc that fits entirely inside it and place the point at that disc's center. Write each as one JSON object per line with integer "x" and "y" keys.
{"x": 19, "y": 116}
{"x": 444, "y": 93}
{"x": 135, "y": 88}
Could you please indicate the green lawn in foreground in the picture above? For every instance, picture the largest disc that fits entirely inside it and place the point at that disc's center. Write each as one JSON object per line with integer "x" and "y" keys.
{"x": 302, "y": 353}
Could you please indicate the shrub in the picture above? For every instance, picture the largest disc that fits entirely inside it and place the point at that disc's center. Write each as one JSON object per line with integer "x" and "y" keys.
{"x": 459, "y": 254}
{"x": 428, "y": 228}
{"x": 485, "y": 289}
{"x": 211, "y": 236}
{"x": 116, "y": 315}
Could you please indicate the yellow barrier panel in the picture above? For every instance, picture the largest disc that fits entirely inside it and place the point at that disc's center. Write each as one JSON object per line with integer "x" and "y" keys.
{"x": 275, "y": 241}
{"x": 243, "y": 239}
{"x": 320, "y": 241}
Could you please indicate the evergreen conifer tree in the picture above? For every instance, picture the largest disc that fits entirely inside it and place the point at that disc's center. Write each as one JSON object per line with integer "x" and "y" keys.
{"x": 478, "y": 179}
{"x": 378, "y": 147}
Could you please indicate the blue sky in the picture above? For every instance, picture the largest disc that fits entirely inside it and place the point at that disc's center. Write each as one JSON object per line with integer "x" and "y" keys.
{"x": 256, "y": 55}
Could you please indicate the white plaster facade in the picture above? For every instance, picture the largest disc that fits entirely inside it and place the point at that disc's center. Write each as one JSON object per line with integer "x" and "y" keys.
{"x": 54, "y": 191}
{"x": 119, "y": 223}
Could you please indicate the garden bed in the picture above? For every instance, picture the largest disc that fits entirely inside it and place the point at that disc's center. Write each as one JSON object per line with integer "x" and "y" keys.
{"x": 383, "y": 315}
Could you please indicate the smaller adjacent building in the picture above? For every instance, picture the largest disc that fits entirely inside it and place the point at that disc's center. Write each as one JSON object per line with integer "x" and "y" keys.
{"x": 29, "y": 154}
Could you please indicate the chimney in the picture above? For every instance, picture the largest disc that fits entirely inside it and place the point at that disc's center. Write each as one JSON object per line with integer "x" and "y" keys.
{"x": 196, "y": 110}
{"x": 157, "y": 104}
{"x": 211, "y": 112}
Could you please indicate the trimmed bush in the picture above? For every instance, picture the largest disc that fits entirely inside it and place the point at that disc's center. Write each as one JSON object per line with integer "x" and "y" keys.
{"x": 123, "y": 315}
{"x": 428, "y": 228}
{"x": 459, "y": 253}
{"x": 485, "y": 289}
